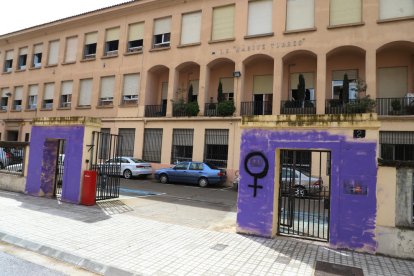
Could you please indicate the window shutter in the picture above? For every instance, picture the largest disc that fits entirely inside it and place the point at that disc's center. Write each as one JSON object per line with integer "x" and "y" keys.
{"x": 164, "y": 90}
{"x": 345, "y": 12}
{"x": 217, "y": 137}
{"x": 223, "y": 23}
{"x": 339, "y": 74}
{"x": 136, "y": 31}
{"x": 33, "y": 90}
{"x": 392, "y": 82}
{"x": 227, "y": 84}
{"x": 18, "y": 93}
{"x": 183, "y": 137}
{"x": 309, "y": 80}
{"x": 53, "y": 52}
{"x": 263, "y": 84}
{"x": 195, "y": 84}
{"x": 397, "y": 137}
{"x": 162, "y": 26}
{"x": 91, "y": 38}
{"x": 396, "y": 8}
{"x": 9, "y": 55}
{"x": 4, "y": 92}
{"x": 131, "y": 84}
{"x": 191, "y": 28}
{"x": 85, "y": 92}
{"x": 260, "y": 17}
{"x": 49, "y": 91}
{"x": 71, "y": 49}
{"x": 67, "y": 87}
{"x": 107, "y": 87}
{"x": 38, "y": 48}
{"x": 300, "y": 14}
{"x": 23, "y": 51}
{"x": 112, "y": 34}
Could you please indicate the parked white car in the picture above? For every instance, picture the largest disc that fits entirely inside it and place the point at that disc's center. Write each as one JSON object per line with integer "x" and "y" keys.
{"x": 129, "y": 168}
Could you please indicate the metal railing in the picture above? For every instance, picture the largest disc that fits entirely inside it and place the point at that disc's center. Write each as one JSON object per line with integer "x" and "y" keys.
{"x": 395, "y": 106}
{"x": 12, "y": 156}
{"x": 296, "y": 107}
{"x": 256, "y": 108}
{"x": 334, "y": 106}
{"x": 155, "y": 111}
{"x": 210, "y": 109}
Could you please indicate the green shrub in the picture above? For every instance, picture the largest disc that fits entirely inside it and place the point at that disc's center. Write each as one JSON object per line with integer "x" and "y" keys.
{"x": 192, "y": 109}
{"x": 396, "y": 105}
{"x": 364, "y": 105}
{"x": 226, "y": 108}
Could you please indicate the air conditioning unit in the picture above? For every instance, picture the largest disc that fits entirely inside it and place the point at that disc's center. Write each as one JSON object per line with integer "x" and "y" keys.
{"x": 111, "y": 53}
{"x": 135, "y": 49}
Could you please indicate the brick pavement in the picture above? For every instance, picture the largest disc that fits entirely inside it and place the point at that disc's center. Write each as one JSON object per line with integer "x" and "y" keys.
{"x": 106, "y": 240}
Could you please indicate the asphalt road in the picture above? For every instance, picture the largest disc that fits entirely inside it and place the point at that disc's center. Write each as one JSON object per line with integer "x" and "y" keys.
{"x": 213, "y": 208}
{"x": 21, "y": 262}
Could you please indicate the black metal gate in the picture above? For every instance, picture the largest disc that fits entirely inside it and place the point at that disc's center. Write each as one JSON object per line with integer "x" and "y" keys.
{"x": 105, "y": 160}
{"x": 304, "y": 194}
{"x": 60, "y": 164}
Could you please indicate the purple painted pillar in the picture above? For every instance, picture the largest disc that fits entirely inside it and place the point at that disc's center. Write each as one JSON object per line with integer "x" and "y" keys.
{"x": 352, "y": 218}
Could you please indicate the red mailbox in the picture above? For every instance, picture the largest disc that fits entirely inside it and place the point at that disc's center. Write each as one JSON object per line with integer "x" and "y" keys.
{"x": 89, "y": 188}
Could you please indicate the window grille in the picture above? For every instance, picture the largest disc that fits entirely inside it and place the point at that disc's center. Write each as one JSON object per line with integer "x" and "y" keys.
{"x": 152, "y": 145}
{"x": 128, "y": 141}
{"x": 397, "y": 145}
{"x": 216, "y": 145}
{"x": 182, "y": 146}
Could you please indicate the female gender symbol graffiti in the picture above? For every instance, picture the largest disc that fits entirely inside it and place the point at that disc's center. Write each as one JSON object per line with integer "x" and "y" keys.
{"x": 256, "y": 165}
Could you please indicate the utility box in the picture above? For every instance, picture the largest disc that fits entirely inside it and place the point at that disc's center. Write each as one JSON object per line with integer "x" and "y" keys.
{"x": 89, "y": 188}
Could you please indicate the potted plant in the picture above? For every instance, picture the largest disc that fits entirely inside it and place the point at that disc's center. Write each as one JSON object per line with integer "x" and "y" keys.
{"x": 396, "y": 107}
{"x": 226, "y": 108}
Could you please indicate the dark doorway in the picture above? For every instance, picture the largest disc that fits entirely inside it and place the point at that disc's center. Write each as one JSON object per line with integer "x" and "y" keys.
{"x": 304, "y": 194}
{"x": 12, "y": 135}
{"x": 60, "y": 166}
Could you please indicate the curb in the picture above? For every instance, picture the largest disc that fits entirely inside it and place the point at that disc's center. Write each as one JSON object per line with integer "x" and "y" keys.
{"x": 66, "y": 257}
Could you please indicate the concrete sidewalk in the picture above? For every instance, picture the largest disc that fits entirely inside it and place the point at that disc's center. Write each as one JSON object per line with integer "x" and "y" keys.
{"x": 106, "y": 240}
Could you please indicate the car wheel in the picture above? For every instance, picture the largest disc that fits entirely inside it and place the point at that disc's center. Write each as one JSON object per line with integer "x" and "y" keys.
{"x": 164, "y": 179}
{"x": 127, "y": 174}
{"x": 203, "y": 182}
{"x": 300, "y": 191}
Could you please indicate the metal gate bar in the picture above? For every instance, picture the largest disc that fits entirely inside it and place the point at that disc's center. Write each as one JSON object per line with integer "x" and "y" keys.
{"x": 60, "y": 157}
{"x": 303, "y": 195}
{"x": 105, "y": 160}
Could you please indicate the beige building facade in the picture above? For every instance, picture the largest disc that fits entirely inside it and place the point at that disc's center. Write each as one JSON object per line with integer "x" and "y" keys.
{"x": 133, "y": 65}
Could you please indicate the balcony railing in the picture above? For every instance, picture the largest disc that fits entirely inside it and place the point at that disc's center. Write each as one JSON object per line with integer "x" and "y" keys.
{"x": 334, "y": 106}
{"x": 155, "y": 111}
{"x": 179, "y": 110}
{"x": 256, "y": 108}
{"x": 395, "y": 106}
{"x": 296, "y": 107}
{"x": 210, "y": 109}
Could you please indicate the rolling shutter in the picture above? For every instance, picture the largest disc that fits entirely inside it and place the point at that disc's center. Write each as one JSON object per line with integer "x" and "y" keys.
{"x": 128, "y": 141}
{"x": 339, "y": 74}
{"x": 91, "y": 38}
{"x": 85, "y": 92}
{"x": 183, "y": 137}
{"x": 223, "y": 23}
{"x": 162, "y": 26}
{"x": 53, "y": 52}
{"x": 164, "y": 91}
{"x": 67, "y": 87}
{"x": 131, "y": 85}
{"x": 136, "y": 31}
{"x": 260, "y": 17}
{"x": 18, "y": 93}
{"x": 227, "y": 85}
{"x": 300, "y": 14}
{"x": 152, "y": 145}
{"x": 112, "y": 34}
{"x": 392, "y": 82}
{"x": 71, "y": 49}
{"x": 33, "y": 90}
{"x": 9, "y": 55}
{"x": 38, "y": 49}
{"x": 23, "y": 51}
{"x": 107, "y": 87}
{"x": 263, "y": 84}
{"x": 345, "y": 12}
{"x": 195, "y": 84}
{"x": 49, "y": 91}
{"x": 396, "y": 8}
{"x": 309, "y": 80}
{"x": 191, "y": 28}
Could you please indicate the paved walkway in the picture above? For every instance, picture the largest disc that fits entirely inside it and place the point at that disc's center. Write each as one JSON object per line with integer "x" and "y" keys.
{"x": 107, "y": 240}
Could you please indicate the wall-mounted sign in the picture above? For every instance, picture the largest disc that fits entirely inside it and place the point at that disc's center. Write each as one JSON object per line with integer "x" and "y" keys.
{"x": 359, "y": 133}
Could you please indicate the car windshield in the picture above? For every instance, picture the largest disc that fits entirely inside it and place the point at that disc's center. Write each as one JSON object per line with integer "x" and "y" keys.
{"x": 136, "y": 160}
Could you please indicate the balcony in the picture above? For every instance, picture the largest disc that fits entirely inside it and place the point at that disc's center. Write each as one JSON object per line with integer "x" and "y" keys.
{"x": 211, "y": 109}
{"x": 155, "y": 111}
{"x": 295, "y": 107}
{"x": 395, "y": 106}
{"x": 364, "y": 105}
{"x": 256, "y": 108}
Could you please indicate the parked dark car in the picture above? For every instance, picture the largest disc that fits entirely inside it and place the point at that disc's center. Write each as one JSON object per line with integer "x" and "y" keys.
{"x": 199, "y": 173}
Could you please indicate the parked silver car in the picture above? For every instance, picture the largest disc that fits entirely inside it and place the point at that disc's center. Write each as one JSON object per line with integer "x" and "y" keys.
{"x": 126, "y": 166}
{"x": 299, "y": 183}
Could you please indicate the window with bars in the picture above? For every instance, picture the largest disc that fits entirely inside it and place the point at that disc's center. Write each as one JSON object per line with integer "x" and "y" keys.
{"x": 152, "y": 145}
{"x": 397, "y": 145}
{"x": 182, "y": 146}
{"x": 104, "y": 139}
{"x": 128, "y": 141}
{"x": 216, "y": 146}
